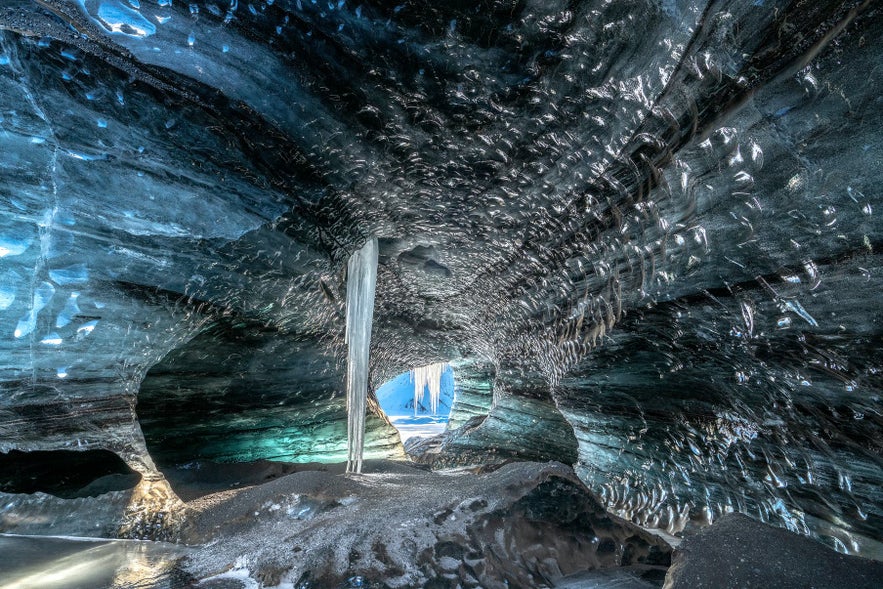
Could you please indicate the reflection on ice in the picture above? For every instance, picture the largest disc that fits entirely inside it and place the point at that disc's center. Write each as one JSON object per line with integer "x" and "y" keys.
{"x": 86, "y": 328}
{"x": 69, "y": 312}
{"x": 42, "y": 295}
{"x": 53, "y": 339}
{"x": 75, "y": 274}
{"x": 31, "y": 562}
{"x": 614, "y": 578}
{"x": 13, "y": 246}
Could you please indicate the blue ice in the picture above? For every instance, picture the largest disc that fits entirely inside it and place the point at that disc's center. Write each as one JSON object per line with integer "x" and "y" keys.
{"x": 7, "y": 296}
{"x": 53, "y": 339}
{"x": 76, "y": 274}
{"x": 42, "y": 295}
{"x": 71, "y": 310}
{"x": 13, "y": 246}
{"x": 115, "y": 18}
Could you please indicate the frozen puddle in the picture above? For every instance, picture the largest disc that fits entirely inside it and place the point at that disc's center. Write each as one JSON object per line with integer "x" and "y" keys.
{"x": 37, "y": 562}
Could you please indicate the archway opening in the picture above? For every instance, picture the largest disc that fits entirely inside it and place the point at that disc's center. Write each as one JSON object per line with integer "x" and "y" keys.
{"x": 418, "y": 402}
{"x": 242, "y": 404}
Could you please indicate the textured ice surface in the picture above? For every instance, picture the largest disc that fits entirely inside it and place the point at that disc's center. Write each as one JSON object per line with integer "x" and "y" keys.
{"x": 649, "y": 230}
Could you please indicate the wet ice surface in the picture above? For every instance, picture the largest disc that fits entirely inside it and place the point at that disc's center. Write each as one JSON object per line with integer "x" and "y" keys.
{"x": 33, "y": 562}
{"x": 623, "y": 578}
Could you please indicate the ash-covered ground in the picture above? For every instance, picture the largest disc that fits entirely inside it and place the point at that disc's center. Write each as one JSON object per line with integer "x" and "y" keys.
{"x": 400, "y": 525}
{"x": 523, "y": 525}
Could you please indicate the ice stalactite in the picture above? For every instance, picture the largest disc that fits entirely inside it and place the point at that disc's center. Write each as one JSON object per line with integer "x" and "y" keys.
{"x": 429, "y": 375}
{"x": 360, "y": 285}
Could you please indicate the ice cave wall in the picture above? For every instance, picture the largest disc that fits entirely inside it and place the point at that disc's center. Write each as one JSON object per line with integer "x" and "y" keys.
{"x": 648, "y": 231}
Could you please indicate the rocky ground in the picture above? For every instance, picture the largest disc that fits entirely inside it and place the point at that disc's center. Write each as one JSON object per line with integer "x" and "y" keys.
{"x": 526, "y": 524}
{"x": 523, "y": 525}
{"x": 738, "y": 551}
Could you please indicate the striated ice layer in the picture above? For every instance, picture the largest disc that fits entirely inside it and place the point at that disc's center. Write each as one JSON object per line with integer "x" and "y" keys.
{"x": 275, "y": 397}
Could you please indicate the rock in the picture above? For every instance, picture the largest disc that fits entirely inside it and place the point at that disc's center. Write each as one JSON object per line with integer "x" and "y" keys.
{"x": 738, "y": 552}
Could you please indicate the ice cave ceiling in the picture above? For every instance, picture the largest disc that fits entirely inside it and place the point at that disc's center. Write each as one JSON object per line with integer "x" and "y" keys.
{"x": 646, "y": 233}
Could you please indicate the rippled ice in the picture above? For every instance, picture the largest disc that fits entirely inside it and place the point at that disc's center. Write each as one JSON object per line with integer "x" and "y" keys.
{"x": 666, "y": 212}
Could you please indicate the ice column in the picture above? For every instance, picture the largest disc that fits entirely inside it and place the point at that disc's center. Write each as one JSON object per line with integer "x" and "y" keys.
{"x": 360, "y": 284}
{"x": 428, "y": 375}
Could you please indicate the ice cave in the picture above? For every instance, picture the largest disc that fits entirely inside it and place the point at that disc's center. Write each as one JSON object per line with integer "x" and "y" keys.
{"x": 640, "y": 236}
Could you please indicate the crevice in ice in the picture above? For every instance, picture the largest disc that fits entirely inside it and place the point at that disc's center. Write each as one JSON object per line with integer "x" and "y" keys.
{"x": 360, "y": 285}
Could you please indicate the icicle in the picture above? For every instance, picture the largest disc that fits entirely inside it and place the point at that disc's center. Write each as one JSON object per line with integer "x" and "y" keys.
{"x": 360, "y": 284}
{"x": 424, "y": 376}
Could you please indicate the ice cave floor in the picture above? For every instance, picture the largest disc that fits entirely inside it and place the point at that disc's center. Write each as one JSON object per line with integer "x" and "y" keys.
{"x": 525, "y": 524}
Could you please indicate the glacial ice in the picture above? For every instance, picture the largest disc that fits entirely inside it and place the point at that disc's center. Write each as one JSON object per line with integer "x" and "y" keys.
{"x": 360, "y": 285}
{"x": 646, "y": 233}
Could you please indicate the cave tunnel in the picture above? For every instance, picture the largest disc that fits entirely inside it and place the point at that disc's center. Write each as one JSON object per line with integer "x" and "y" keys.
{"x": 244, "y": 394}
{"x": 645, "y": 235}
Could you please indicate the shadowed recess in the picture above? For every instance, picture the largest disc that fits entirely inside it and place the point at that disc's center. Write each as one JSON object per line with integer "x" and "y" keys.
{"x": 67, "y": 474}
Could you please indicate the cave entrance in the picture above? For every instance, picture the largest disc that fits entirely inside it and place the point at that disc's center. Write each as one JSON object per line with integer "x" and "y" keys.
{"x": 415, "y": 414}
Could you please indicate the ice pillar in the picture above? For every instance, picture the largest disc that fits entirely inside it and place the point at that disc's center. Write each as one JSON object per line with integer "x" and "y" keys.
{"x": 360, "y": 285}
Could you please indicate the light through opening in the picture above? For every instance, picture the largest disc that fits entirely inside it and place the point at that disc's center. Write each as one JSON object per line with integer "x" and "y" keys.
{"x": 411, "y": 413}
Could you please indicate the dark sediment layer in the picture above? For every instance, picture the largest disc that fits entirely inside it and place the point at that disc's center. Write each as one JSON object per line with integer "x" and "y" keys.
{"x": 738, "y": 552}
